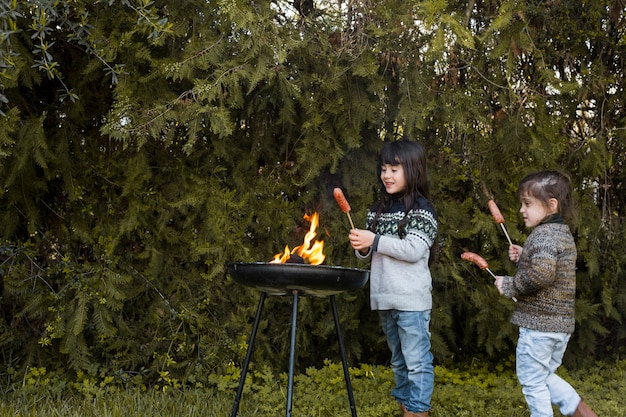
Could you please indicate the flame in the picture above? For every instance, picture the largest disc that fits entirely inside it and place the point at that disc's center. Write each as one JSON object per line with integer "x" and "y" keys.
{"x": 310, "y": 251}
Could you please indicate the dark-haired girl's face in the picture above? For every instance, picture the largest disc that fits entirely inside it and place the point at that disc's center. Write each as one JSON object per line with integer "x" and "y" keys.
{"x": 392, "y": 177}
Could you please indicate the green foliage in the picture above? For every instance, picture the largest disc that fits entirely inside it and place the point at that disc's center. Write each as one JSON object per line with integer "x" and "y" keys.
{"x": 465, "y": 390}
{"x": 145, "y": 145}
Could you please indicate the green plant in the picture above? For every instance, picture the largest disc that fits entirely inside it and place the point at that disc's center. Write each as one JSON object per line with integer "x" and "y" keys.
{"x": 478, "y": 388}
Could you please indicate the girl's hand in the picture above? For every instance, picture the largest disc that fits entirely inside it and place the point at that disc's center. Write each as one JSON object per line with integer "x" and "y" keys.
{"x": 361, "y": 240}
{"x": 515, "y": 251}
{"x": 498, "y": 284}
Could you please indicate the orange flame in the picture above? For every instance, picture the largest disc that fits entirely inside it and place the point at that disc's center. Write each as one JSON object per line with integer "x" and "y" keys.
{"x": 309, "y": 251}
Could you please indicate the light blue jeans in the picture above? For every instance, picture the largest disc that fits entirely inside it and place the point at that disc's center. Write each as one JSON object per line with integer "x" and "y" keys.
{"x": 408, "y": 338}
{"x": 538, "y": 356}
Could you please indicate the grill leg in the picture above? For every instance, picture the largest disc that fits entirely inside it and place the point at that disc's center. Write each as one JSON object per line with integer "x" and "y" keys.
{"x": 344, "y": 358}
{"x": 292, "y": 353}
{"x": 246, "y": 362}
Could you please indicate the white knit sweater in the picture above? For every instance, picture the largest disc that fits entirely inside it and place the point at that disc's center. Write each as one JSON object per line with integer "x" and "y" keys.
{"x": 399, "y": 275}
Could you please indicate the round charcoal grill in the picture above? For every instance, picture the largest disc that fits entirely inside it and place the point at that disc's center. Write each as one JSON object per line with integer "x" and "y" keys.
{"x": 296, "y": 279}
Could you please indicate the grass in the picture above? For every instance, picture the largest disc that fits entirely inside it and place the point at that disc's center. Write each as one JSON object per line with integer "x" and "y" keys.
{"x": 474, "y": 390}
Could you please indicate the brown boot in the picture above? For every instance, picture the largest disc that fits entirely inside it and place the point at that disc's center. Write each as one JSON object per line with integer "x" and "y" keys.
{"x": 583, "y": 410}
{"x": 408, "y": 413}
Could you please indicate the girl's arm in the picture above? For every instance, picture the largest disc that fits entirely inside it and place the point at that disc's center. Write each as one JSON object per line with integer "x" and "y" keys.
{"x": 538, "y": 273}
{"x": 409, "y": 249}
{"x": 421, "y": 232}
{"x": 536, "y": 268}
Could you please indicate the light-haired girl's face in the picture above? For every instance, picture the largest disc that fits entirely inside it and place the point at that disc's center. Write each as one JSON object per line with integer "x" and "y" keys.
{"x": 393, "y": 178}
{"x": 533, "y": 210}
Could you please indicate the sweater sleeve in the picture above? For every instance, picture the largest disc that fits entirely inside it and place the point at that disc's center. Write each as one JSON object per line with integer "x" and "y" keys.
{"x": 363, "y": 256}
{"x": 536, "y": 269}
{"x": 409, "y": 249}
{"x": 421, "y": 232}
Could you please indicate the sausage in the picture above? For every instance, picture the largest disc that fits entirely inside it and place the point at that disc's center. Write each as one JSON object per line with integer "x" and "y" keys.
{"x": 478, "y": 260}
{"x": 495, "y": 212}
{"x": 341, "y": 200}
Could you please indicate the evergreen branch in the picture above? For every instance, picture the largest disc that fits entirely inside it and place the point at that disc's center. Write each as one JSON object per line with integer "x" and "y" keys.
{"x": 182, "y": 98}
{"x": 199, "y": 53}
{"x": 155, "y": 289}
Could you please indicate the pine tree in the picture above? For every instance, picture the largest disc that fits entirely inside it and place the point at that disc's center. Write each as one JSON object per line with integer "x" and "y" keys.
{"x": 144, "y": 146}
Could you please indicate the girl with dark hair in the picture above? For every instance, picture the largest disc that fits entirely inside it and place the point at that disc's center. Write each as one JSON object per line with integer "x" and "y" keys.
{"x": 545, "y": 288}
{"x": 400, "y": 233}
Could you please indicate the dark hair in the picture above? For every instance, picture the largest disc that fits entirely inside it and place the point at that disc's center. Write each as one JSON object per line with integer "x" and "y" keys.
{"x": 412, "y": 156}
{"x": 544, "y": 185}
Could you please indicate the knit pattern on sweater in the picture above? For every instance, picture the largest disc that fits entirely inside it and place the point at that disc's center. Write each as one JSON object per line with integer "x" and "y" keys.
{"x": 400, "y": 277}
{"x": 545, "y": 282}
{"x": 420, "y": 223}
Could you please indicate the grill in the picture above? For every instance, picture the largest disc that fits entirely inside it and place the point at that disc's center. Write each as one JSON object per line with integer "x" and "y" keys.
{"x": 294, "y": 279}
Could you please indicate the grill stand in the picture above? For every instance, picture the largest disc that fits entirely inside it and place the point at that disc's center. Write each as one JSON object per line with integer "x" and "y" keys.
{"x": 292, "y": 355}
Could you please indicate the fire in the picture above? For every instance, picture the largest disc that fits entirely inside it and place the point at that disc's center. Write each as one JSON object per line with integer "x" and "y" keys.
{"x": 310, "y": 251}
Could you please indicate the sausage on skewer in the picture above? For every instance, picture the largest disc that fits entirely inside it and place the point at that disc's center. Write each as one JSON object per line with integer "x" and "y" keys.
{"x": 480, "y": 262}
{"x": 498, "y": 217}
{"x": 343, "y": 203}
{"x": 341, "y": 200}
{"x": 495, "y": 212}
{"x": 477, "y": 260}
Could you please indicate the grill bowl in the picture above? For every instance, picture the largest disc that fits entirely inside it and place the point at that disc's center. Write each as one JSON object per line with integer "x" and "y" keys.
{"x": 283, "y": 279}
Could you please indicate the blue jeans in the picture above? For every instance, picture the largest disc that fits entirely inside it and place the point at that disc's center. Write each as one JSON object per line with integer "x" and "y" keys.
{"x": 538, "y": 356}
{"x": 408, "y": 338}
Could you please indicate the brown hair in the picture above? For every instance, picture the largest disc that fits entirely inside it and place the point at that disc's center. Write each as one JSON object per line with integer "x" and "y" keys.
{"x": 544, "y": 185}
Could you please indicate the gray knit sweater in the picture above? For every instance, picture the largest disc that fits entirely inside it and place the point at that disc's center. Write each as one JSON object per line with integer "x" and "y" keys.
{"x": 545, "y": 282}
{"x": 399, "y": 275}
